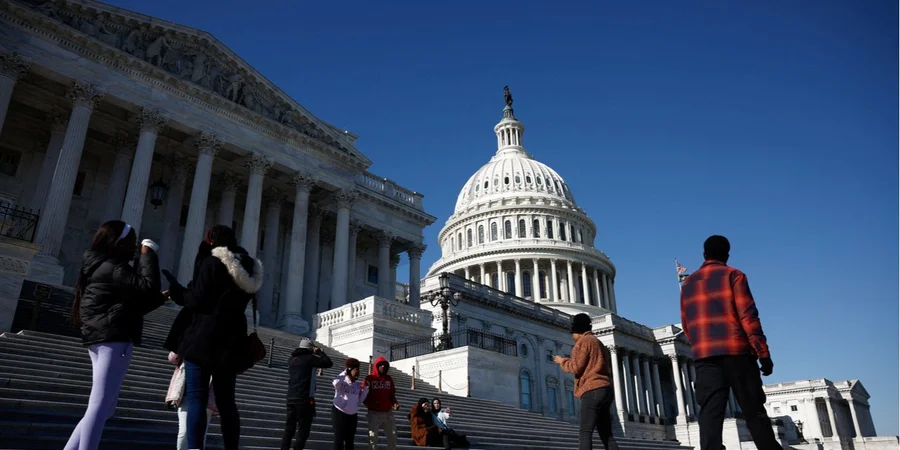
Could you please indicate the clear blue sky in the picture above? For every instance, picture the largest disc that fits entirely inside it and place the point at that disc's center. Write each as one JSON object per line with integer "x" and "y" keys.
{"x": 773, "y": 123}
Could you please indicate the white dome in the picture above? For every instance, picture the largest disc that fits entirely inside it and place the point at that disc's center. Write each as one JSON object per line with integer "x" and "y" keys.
{"x": 509, "y": 173}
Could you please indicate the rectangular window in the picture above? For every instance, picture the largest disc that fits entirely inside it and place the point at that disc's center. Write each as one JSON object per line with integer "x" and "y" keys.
{"x": 549, "y": 355}
{"x": 551, "y": 398}
{"x": 9, "y": 162}
{"x": 79, "y": 184}
{"x": 372, "y": 275}
{"x": 793, "y": 407}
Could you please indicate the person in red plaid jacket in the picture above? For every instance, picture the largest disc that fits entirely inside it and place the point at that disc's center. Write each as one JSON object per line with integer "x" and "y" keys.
{"x": 720, "y": 319}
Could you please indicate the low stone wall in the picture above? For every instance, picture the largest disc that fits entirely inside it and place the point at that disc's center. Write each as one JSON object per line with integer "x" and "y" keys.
{"x": 16, "y": 257}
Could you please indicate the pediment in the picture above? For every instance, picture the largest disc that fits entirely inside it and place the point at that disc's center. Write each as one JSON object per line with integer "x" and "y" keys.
{"x": 857, "y": 386}
{"x": 197, "y": 58}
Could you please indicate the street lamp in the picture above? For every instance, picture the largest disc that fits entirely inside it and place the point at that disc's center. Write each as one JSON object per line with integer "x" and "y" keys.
{"x": 444, "y": 297}
{"x": 799, "y": 424}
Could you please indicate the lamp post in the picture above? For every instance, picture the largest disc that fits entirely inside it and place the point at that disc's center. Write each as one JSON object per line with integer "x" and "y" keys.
{"x": 799, "y": 424}
{"x": 444, "y": 297}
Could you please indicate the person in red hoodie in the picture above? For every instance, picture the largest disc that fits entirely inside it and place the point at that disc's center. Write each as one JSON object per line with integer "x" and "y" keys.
{"x": 381, "y": 400}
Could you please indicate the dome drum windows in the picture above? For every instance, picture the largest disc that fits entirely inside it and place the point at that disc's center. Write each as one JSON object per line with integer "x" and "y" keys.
{"x": 494, "y": 231}
{"x": 536, "y": 228}
{"x": 521, "y": 228}
{"x": 481, "y": 234}
{"x": 527, "y": 179}
{"x": 549, "y": 229}
{"x": 507, "y": 230}
{"x": 562, "y": 231}
{"x": 469, "y": 236}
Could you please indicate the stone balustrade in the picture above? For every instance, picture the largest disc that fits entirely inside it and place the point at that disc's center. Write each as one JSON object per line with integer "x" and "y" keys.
{"x": 390, "y": 189}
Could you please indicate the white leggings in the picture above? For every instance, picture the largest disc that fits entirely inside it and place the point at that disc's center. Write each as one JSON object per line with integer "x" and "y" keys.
{"x": 182, "y": 427}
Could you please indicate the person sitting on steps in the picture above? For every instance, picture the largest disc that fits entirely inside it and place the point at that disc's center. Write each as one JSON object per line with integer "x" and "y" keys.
{"x": 425, "y": 432}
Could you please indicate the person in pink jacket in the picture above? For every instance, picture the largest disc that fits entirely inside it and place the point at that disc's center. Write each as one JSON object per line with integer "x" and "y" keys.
{"x": 348, "y": 395}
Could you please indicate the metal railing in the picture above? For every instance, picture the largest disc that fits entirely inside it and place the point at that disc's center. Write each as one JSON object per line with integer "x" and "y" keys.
{"x": 460, "y": 338}
{"x": 17, "y": 222}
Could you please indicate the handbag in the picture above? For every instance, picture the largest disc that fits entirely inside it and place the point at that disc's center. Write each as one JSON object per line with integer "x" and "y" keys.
{"x": 251, "y": 349}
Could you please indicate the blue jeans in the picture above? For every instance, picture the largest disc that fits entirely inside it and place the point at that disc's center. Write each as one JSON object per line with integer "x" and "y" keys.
{"x": 196, "y": 398}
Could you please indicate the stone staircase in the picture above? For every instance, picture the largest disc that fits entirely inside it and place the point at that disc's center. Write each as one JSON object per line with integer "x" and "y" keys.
{"x": 45, "y": 382}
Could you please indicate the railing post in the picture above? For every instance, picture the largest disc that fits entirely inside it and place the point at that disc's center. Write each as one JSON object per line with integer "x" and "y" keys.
{"x": 271, "y": 350}
{"x": 468, "y": 386}
{"x": 440, "y": 381}
{"x": 413, "y": 387}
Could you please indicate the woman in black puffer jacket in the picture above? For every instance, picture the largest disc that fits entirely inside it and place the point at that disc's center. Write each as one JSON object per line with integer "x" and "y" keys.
{"x": 111, "y": 299}
{"x": 213, "y": 344}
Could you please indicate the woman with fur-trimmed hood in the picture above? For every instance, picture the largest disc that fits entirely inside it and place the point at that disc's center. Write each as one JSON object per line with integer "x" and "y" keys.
{"x": 224, "y": 284}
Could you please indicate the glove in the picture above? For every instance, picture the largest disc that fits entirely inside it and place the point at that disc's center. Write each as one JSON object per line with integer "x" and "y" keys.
{"x": 150, "y": 244}
{"x": 765, "y": 366}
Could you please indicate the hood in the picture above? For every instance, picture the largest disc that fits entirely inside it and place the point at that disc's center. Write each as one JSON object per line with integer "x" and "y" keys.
{"x": 379, "y": 360}
{"x": 91, "y": 260}
{"x": 245, "y": 270}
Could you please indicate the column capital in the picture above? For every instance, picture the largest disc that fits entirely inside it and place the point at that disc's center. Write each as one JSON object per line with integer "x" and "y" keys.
{"x": 85, "y": 94}
{"x": 274, "y": 197}
{"x": 208, "y": 144}
{"x": 303, "y": 181}
{"x": 518, "y": 260}
{"x": 673, "y": 357}
{"x": 151, "y": 120}
{"x": 395, "y": 261}
{"x": 612, "y": 349}
{"x": 345, "y": 197}
{"x": 232, "y": 181}
{"x": 416, "y": 250}
{"x": 385, "y": 238}
{"x": 58, "y": 119}
{"x": 355, "y": 227}
{"x": 258, "y": 164}
{"x": 13, "y": 65}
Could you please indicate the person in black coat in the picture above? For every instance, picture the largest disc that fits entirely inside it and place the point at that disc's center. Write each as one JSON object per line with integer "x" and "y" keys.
{"x": 301, "y": 400}
{"x": 214, "y": 342}
{"x": 110, "y": 301}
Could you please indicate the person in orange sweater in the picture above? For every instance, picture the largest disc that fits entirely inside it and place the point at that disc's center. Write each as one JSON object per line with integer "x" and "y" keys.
{"x": 381, "y": 401}
{"x": 590, "y": 363}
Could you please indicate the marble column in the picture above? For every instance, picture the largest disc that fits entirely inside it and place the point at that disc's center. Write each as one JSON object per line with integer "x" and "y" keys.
{"x": 688, "y": 389}
{"x": 385, "y": 238}
{"x": 313, "y": 258}
{"x": 293, "y": 300}
{"x": 585, "y": 286}
{"x": 355, "y": 227}
{"x": 657, "y": 390}
{"x": 679, "y": 393}
{"x": 535, "y": 282}
{"x": 612, "y": 294}
{"x": 518, "y": 278}
{"x": 597, "y": 296}
{"x": 605, "y": 284}
{"x": 415, "y": 281}
{"x": 395, "y": 261}
{"x": 172, "y": 211}
{"x": 573, "y": 297}
{"x": 118, "y": 179}
{"x": 59, "y": 121}
{"x": 832, "y": 419}
{"x": 227, "y": 199}
{"x": 553, "y": 291}
{"x": 855, "y": 418}
{"x": 617, "y": 379}
{"x": 12, "y": 67}
{"x": 258, "y": 165}
{"x": 813, "y": 424}
{"x": 501, "y": 277}
{"x": 274, "y": 201}
{"x": 484, "y": 279}
{"x": 693, "y": 374}
{"x": 344, "y": 199}
{"x": 629, "y": 381}
{"x": 150, "y": 122}
{"x": 639, "y": 384}
{"x": 468, "y": 273}
{"x": 207, "y": 146}
{"x": 52, "y": 224}
{"x": 648, "y": 386}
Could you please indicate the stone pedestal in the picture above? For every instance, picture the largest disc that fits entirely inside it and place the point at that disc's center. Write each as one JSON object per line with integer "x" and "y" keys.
{"x": 494, "y": 376}
{"x": 46, "y": 269}
{"x": 369, "y": 327}
{"x": 15, "y": 260}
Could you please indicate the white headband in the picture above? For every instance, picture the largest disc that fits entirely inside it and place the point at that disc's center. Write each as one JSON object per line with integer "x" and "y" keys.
{"x": 125, "y": 232}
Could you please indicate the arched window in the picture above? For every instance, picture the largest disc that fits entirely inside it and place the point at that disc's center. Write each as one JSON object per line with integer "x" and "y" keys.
{"x": 460, "y": 241}
{"x": 536, "y": 228}
{"x": 527, "y": 179}
{"x": 549, "y": 229}
{"x": 521, "y": 228}
{"x": 494, "y": 231}
{"x": 452, "y": 244}
{"x": 481, "y": 234}
{"x": 518, "y": 179}
{"x": 496, "y": 182}
{"x": 469, "y": 237}
{"x": 538, "y": 179}
{"x": 485, "y": 184}
{"x": 549, "y": 185}
{"x": 570, "y": 396}
{"x": 507, "y": 230}
{"x": 511, "y": 283}
{"x": 526, "y": 284}
{"x": 552, "y": 387}
{"x": 542, "y": 284}
{"x": 562, "y": 231}
{"x": 506, "y": 179}
{"x": 525, "y": 389}
{"x": 476, "y": 188}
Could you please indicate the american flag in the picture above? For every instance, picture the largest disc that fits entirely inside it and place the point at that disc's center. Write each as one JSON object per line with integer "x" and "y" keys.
{"x": 682, "y": 271}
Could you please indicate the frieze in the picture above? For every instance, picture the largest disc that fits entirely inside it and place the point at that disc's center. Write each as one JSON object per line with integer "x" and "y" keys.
{"x": 13, "y": 265}
{"x": 189, "y": 57}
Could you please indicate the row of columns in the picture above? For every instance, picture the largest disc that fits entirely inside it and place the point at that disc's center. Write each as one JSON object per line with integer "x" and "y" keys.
{"x": 592, "y": 280}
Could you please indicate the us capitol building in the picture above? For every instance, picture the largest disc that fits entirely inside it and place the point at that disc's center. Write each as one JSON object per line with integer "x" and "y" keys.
{"x": 107, "y": 113}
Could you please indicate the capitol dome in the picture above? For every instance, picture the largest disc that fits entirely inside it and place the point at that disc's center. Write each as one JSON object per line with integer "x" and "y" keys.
{"x": 516, "y": 228}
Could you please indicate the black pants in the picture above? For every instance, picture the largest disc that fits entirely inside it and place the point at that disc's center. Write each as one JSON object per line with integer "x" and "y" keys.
{"x": 740, "y": 374}
{"x": 344, "y": 426}
{"x": 595, "y": 406}
{"x": 298, "y": 416}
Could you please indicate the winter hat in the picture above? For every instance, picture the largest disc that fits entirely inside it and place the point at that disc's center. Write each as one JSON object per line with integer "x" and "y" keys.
{"x": 306, "y": 343}
{"x": 581, "y": 323}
